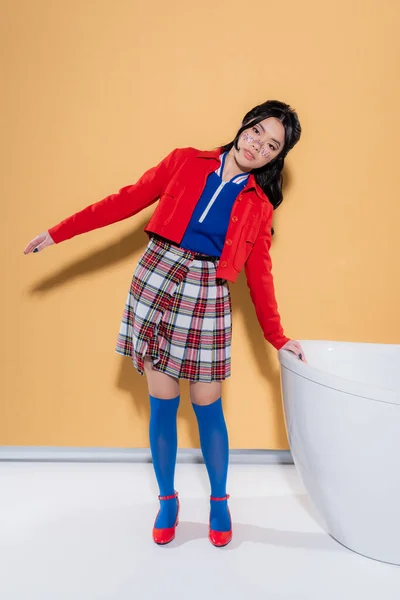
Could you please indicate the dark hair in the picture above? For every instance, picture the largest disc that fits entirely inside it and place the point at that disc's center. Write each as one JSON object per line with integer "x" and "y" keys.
{"x": 269, "y": 177}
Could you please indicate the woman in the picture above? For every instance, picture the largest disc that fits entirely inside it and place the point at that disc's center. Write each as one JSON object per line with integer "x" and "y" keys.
{"x": 214, "y": 218}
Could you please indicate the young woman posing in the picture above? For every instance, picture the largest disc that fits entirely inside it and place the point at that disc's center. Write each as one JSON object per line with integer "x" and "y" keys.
{"x": 214, "y": 218}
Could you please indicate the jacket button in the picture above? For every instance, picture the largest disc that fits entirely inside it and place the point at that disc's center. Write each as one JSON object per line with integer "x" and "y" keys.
{"x": 224, "y": 263}
{"x": 235, "y": 219}
{"x": 229, "y": 242}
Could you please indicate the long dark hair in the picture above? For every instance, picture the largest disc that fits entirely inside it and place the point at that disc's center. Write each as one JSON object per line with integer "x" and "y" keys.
{"x": 270, "y": 177}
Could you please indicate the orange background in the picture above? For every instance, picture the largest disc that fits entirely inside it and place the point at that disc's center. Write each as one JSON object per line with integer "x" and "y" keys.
{"x": 94, "y": 93}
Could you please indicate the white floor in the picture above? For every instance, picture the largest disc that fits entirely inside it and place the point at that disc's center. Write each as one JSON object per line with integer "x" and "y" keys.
{"x": 72, "y": 531}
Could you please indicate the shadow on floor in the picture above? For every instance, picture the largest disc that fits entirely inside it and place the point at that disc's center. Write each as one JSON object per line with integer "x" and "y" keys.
{"x": 189, "y": 531}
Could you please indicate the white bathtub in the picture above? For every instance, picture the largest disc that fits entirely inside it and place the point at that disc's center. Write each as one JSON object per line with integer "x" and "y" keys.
{"x": 342, "y": 413}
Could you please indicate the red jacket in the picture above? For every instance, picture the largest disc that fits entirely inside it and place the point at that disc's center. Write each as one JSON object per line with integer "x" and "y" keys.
{"x": 178, "y": 181}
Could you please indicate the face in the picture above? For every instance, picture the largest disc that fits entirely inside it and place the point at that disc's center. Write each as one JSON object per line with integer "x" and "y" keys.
{"x": 260, "y": 144}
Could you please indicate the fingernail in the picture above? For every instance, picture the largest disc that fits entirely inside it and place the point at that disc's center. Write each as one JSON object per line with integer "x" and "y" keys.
{"x": 36, "y": 250}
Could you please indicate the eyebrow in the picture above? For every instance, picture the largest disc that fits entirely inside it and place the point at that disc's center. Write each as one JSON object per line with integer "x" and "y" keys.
{"x": 262, "y": 127}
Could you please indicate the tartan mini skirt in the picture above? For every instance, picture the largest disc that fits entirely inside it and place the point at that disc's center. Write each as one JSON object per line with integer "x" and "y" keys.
{"x": 178, "y": 313}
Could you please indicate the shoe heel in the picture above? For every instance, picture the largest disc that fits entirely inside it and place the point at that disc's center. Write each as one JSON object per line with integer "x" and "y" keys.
{"x": 165, "y": 535}
{"x": 219, "y": 539}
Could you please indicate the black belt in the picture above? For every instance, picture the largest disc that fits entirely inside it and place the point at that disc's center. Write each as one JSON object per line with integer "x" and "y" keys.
{"x": 196, "y": 256}
{"x": 213, "y": 259}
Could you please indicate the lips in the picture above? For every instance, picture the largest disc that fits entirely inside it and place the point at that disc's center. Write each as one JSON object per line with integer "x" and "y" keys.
{"x": 248, "y": 155}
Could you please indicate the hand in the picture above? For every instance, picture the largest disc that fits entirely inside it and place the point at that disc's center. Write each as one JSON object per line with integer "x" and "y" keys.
{"x": 39, "y": 243}
{"x": 295, "y": 347}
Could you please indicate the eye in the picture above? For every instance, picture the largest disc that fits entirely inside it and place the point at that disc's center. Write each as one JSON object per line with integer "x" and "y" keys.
{"x": 256, "y": 130}
{"x": 272, "y": 147}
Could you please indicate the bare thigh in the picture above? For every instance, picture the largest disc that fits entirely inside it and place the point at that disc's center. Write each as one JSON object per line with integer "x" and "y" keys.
{"x": 160, "y": 385}
{"x": 205, "y": 393}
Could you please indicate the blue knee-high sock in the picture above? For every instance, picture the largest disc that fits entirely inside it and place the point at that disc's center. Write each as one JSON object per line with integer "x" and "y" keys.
{"x": 164, "y": 444}
{"x": 215, "y": 448}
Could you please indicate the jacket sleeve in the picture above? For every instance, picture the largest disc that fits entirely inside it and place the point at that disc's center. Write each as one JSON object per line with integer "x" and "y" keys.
{"x": 258, "y": 270}
{"x": 127, "y": 202}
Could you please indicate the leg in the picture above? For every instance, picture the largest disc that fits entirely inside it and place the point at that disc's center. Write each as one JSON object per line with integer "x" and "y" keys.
{"x": 206, "y": 400}
{"x": 164, "y": 402}
{"x": 160, "y": 385}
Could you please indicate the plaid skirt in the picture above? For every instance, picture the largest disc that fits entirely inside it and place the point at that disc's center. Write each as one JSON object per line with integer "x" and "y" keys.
{"x": 178, "y": 313}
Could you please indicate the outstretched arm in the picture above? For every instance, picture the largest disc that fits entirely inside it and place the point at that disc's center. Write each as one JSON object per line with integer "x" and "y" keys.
{"x": 127, "y": 202}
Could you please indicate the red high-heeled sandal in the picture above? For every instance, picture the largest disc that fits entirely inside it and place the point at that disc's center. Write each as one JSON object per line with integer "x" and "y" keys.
{"x": 165, "y": 535}
{"x": 220, "y": 538}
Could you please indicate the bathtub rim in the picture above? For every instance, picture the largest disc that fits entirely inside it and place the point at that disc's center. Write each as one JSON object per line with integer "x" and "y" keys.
{"x": 370, "y": 392}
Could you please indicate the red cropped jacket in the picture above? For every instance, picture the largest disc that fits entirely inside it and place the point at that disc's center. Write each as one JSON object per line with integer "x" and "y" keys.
{"x": 178, "y": 182}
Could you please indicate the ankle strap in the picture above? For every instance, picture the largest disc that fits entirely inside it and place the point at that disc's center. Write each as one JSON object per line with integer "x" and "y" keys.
{"x": 168, "y": 497}
{"x": 219, "y": 499}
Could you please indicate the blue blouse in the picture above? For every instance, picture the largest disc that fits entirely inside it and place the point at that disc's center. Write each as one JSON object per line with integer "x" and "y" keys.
{"x": 207, "y": 228}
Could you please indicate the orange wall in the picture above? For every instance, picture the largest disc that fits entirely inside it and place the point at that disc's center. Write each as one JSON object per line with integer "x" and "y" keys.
{"x": 93, "y": 94}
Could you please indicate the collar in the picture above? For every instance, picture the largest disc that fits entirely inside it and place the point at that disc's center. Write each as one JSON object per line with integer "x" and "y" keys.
{"x": 251, "y": 183}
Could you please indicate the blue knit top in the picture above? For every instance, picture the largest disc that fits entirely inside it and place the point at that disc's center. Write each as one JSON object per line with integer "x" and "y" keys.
{"x": 207, "y": 228}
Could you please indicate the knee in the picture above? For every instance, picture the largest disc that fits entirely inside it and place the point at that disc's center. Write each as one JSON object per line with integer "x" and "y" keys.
{"x": 204, "y": 400}
{"x": 160, "y": 385}
{"x": 163, "y": 393}
{"x": 204, "y": 394}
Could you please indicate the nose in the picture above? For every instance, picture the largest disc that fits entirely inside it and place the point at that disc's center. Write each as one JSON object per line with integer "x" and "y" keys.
{"x": 256, "y": 144}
